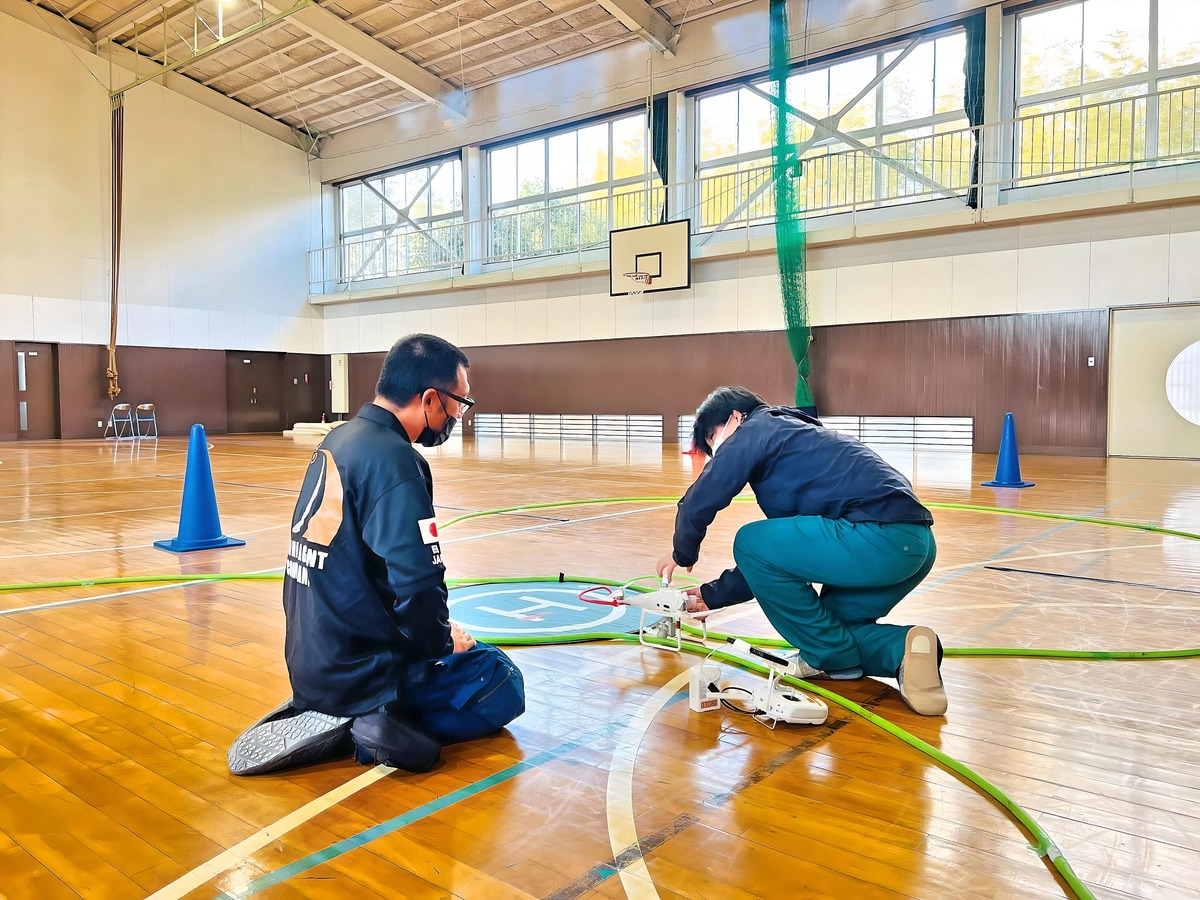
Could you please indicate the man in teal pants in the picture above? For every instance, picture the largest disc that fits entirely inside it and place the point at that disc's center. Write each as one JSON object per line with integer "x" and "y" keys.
{"x": 838, "y": 516}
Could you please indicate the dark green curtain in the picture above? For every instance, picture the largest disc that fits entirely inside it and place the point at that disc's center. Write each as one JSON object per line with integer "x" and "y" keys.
{"x": 659, "y": 146}
{"x": 973, "y": 96}
{"x": 789, "y": 220}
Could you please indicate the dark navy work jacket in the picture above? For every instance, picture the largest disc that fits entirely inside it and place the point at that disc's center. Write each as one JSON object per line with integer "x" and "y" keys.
{"x": 364, "y": 591}
{"x": 796, "y": 467}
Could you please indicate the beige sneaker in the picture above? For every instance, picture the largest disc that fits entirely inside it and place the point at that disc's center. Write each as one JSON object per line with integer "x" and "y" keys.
{"x": 919, "y": 678}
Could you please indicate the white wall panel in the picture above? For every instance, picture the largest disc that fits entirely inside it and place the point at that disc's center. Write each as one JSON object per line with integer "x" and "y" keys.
{"x": 563, "y": 318}
{"x": 822, "y": 296}
{"x": 370, "y": 333}
{"x": 760, "y": 305}
{"x": 597, "y": 317}
{"x": 674, "y": 312}
{"x": 296, "y": 335}
{"x": 394, "y": 325}
{"x": 501, "y": 321}
{"x": 1053, "y": 277}
{"x": 864, "y": 293}
{"x": 1129, "y": 270}
{"x": 348, "y": 338}
{"x": 531, "y": 320}
{"x": 96, "y": 323}
{"x": 716, "y": 306}
{"x": 472, "y": 325}
{"x": 227, "y": 330}
{"x": 16, "y": 317}
{"x": 416, "y": 321}
{"x": 634, "y": 317}
{"x": 149, "y": 326}
{"x": 922, "y": 288}
{"x": 444, "y": 323}
{"x": 262, "y": 332}
{"x": 1183, "y": 267}
{"x": 984, "y": 284}
{"x": 57, "y": 321}
{"x": 190, "y": 328}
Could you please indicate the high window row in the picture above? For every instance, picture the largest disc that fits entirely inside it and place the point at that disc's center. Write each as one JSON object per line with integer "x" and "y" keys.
{"x": 1094, "y": 87}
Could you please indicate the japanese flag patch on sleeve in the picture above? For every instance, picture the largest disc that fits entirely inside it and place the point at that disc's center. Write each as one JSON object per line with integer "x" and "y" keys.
{"x": 429, "y": 530}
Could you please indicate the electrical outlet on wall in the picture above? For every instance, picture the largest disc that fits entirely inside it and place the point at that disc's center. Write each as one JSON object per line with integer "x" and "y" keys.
{"x": 99, "y": 423}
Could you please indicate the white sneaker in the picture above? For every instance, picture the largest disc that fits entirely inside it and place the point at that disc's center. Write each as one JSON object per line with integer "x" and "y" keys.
{"x": 797, "y": 667}
{"x": 920, "y": 681}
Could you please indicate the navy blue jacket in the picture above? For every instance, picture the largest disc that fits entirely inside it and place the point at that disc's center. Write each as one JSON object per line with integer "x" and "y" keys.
{"x": 364, "y": 591}
{"x": 795, "y": 467}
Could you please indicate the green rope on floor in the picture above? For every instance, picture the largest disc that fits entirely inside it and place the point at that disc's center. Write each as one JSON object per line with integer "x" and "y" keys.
{"x": 1042, "y": 843}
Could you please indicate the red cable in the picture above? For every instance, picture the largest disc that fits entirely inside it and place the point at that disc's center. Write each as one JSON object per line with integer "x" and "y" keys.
{"x": 600, "y": 587}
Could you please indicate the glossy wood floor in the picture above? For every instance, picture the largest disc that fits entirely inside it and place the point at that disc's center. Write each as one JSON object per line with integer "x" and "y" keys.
{"x": 115, "y": 713}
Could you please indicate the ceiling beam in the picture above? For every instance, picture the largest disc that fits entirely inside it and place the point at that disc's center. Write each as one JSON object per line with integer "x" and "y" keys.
{"x": 257, "y": 60}
{"x": 284, "y": 75}
{"x": 364, "y": 49}
{"x": 193, "y": 90}
{"x": 646, "y": 22}
{"x": 120, "y": 21}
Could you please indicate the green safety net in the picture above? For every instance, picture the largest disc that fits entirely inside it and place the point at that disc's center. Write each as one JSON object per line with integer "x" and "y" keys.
{"x": 789, "y": 218}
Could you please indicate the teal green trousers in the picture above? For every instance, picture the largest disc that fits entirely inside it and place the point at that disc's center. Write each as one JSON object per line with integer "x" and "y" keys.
{"x": 864, "y": 568}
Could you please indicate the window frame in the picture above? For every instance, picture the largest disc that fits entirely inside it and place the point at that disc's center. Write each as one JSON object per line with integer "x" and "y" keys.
{"x": 878, "y": 135}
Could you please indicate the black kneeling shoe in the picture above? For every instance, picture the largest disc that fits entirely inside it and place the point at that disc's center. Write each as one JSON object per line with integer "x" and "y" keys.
{"x": 288, "y": 737}
{"x": 384, "y": 738}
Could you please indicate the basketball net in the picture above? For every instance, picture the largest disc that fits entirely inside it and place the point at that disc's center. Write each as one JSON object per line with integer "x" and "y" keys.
{"x": 638, "y": 282}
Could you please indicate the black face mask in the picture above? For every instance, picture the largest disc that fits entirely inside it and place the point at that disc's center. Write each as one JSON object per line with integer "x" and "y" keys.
{"x": 430, "y": 438}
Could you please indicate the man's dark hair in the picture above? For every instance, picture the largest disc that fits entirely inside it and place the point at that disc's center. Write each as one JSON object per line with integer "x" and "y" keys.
{"x": 716, "y": 410}
{"x": 416, "y": 363}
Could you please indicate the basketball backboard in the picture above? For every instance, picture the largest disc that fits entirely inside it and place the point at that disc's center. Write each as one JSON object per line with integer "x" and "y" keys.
{"x": 659, "y": 255}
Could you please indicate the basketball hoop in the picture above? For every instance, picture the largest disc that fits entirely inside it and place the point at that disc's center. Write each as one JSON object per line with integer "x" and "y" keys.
{"x": 638, "y": 282}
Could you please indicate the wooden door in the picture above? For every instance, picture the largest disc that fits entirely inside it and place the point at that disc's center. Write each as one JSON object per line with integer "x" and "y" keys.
{"x": 37, "y": 391}
{"x": 306, "y": 386}
{"x": 254, "y": 391}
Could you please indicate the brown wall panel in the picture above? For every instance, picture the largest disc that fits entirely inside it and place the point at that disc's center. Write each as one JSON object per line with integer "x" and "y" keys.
{"x": 667, "y": 376}
{"x": 363, "y": 371}
{"x": 1034, "y": 366}
{"x": 186, "y": 386}
{"x": 8, "y": 391}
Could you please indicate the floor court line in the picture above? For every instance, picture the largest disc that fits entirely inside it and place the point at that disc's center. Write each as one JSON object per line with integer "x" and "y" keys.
{"x": 618, "y": 803}
{"x": 278, "y": 876}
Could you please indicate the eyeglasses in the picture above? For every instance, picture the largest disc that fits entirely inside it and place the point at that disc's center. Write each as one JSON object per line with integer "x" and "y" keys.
{"x": 466, "y": 402}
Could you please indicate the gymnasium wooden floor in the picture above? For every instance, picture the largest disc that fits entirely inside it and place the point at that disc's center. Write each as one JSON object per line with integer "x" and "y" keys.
{"x": 116, "y": 712}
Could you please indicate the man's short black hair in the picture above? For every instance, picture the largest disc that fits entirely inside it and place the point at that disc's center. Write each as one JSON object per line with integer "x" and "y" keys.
{"x": 416, "y": 363}
{"x": 716, "y": 410}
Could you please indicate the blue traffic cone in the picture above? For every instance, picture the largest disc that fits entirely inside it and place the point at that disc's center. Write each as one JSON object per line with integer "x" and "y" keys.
{"x": 199, "y": 523}
{"x": 1008, "y": 463}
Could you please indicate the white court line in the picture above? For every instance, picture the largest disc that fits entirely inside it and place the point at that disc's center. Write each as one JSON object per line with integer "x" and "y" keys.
{"x": 117, "y": 549}
{"x": 205, "y": 873}
{"x": 107, "y": 512}
{"x": 627, "y": 512}
{"x": 940, "y": 570}
{"x": 622, "y": 829}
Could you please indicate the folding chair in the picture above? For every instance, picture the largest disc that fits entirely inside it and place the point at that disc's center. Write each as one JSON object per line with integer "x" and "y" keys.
{"x": 142, "y": 415}
{"x": 120, "y": 422}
